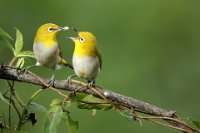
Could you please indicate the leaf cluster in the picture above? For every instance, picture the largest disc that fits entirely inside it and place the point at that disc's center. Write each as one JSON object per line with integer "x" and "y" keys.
{"x": 16, "y": 49}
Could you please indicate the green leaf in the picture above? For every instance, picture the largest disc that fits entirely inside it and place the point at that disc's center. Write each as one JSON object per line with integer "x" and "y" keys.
{"x": 5, "y": 34}
{"x": 52, "y": 119}
{"x": 66, "y": 105}
{"x": 3, "y": 99}
{"x": 71, "y": 124}
{"x": 18, "y": 42}
{"x": 7, "y": 43}
{"x": 26, "y": 54}
{"x": 88, "y": 98}
{"x": 80, "y": 96}
{"x": 196, "y": 123}
{"x": 96, "y": 106}
{"x": 36, "y": 107}
{"x": 90, "y": 102}
{"x": 20, "y": 62}
{"x": 91, "y": 98}
{"x": 56, "y": 102}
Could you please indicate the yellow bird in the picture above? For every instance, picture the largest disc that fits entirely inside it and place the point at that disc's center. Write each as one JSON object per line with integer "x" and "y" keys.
{"x": 86, "y": 59}
{"x": 46, "y": 49}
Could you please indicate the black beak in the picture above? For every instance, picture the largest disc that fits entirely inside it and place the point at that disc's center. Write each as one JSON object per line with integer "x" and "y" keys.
{"x": 75, "y": 30}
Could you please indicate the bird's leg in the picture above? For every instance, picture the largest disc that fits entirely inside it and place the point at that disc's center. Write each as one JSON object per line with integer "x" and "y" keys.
{"x": 69, "y": 82}
{"x": 91, "y": 83}
{"x": 70, "y": 78}
{"x": 25, "y": 69}
{"x": 52, "y": 79}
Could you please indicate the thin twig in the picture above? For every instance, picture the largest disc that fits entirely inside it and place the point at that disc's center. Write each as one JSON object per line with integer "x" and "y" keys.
{"x": 167, "y": 125}
{"x": 34, "y": 95}
{"x": 161, "y": 117}
{"x": 92, "y": 88}
{"x": 47, "y": 85}
{"x": 15, "y": 107}
{"x": 18, "y": 100}
{"x": 148, "y": 118}
{"x": 94, "y": 102}
{"x": 24, "y": 111}
{"x": 9, "y": 107}
{"x": 9, "y": 112}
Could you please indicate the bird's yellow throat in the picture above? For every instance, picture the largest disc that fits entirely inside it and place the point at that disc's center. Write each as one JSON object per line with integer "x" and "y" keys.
{"x": 48, "y": 40}
{"x": 85, "y": 49}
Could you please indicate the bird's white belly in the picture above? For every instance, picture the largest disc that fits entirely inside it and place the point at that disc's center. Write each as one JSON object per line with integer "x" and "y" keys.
{"x": 46, "y": 56}
{"x": 86, "y": 67}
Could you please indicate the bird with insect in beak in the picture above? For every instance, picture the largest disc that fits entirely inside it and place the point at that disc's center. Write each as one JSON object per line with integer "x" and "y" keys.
{"x": 86, "y": 59}
{"x": 46, "y": 49}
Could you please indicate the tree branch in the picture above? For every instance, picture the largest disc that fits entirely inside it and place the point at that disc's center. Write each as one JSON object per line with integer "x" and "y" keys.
{"x": 11, "y": 73}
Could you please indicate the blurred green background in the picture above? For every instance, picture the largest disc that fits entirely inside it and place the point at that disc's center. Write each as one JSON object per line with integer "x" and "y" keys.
{"x": 150, "y": 49}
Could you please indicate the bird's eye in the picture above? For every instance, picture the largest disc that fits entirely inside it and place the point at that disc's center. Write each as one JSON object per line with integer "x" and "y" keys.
{"x": 50, "y": 29}
{"x": 82, "y": 40}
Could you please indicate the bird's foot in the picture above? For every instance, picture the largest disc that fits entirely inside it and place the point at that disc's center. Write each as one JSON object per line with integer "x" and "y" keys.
{"x": 51, "y": 81}
{"x": 91, "y": 84}
{"x": 25, "y": 69}
{"x": 69, "y": 79}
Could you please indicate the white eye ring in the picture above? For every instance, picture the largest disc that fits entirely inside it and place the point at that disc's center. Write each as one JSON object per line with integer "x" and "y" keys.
{"x": 50, "y": 29}
{"x": 82, "y": 40}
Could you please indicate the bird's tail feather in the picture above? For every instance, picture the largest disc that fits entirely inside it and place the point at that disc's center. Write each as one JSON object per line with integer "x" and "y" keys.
{"x": 65, "y": 63}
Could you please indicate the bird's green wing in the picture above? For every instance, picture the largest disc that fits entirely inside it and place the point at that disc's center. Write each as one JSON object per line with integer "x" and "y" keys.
{"x": 63, "y": 61}
{"x": 100, "y": 58}
{"x": 60, "y": 53}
